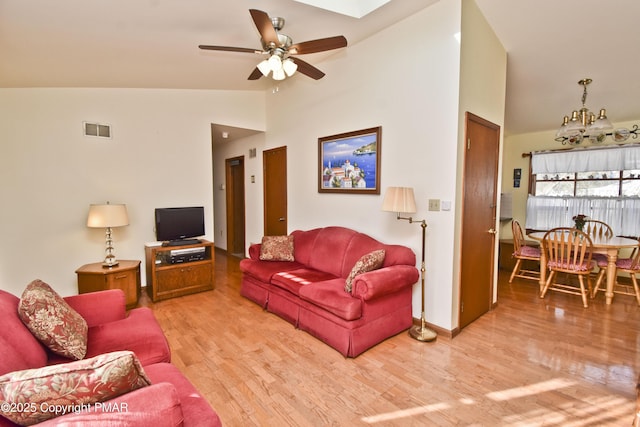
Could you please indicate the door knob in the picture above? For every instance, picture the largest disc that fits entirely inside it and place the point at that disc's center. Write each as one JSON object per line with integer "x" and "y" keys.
{"x": 281, "y": 219}
{"x": 492, "y": 231}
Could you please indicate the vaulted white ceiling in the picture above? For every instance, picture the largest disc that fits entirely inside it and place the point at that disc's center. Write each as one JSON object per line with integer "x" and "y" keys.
{"x": 154, "y": 44}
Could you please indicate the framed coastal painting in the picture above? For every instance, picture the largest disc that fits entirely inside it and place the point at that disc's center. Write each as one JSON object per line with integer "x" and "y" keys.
{"x": 350, "y": 162}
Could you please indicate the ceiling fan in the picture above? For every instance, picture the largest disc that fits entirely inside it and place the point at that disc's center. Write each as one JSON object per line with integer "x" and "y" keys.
{"x": 279, "y": 48}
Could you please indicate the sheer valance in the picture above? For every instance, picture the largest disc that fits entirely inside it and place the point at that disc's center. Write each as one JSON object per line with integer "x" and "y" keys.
{"x": 586, "y": 160}
{"x": 622, "y": 214}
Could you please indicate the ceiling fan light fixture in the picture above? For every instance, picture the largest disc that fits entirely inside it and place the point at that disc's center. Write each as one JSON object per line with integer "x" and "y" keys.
{"x": 278, "y": 74}
{"x": 289, "y": 67}
{"x": 275, "y": 62}
{"x": 264, "y": 67}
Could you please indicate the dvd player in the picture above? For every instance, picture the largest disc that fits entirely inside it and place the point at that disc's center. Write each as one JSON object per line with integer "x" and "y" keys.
{"x": 177, "y": 256}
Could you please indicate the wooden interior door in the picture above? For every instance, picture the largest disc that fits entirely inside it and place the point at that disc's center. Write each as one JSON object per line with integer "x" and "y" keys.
{"x": 234, "y": 173}
{"x": 478, "y": 218}
{"x": 275, "y": 191}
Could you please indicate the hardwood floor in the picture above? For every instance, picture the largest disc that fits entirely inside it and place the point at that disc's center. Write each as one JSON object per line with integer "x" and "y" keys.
{"x": 529, "y": 362}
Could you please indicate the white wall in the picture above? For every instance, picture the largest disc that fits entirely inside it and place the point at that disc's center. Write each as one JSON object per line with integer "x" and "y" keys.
{"x": 159, "y": 156}
{"x": 482, "y": 92}
{"x": 406, "y": 80}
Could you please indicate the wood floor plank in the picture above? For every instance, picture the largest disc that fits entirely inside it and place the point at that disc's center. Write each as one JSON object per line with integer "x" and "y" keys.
{"x": 528, "y": 362}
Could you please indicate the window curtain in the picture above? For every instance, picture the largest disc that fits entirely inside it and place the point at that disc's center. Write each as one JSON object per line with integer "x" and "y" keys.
{"x": 586, "y": 159}
{"x": 622, "y": 214}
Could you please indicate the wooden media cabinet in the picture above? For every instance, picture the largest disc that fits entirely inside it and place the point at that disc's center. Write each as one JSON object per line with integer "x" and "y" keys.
{"x": 173, "y": 271}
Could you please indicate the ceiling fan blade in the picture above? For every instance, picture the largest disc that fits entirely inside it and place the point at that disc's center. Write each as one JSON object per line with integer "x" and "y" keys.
{"x": 307, "y": 69}
{"x": 319, "y": 45}
{"x": 229, "y": 49}
{"x": 255, "y": 74}
{"x": 265, "y": 27}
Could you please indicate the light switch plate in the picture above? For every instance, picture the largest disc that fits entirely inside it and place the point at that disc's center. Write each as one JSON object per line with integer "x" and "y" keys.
{"x": 434, "y": 204}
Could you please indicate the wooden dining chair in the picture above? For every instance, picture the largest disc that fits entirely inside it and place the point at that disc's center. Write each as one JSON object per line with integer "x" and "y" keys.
{"x": 598, "y": 229}
{"x": 569, "y": 251}
{"x": 629, "y": 265}
{"x": 595, "y": 228}
{"x": 522, "y": 252}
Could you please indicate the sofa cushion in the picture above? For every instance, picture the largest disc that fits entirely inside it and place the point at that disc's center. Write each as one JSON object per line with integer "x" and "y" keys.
{"x": 19, "y": 349}
{"x": 293, "y": 280}
{"x": 277, "y": 248}
{"x": 139, "y": 332}
{"x": 53, "y": 321}
{"x": 196, "y": 409}
{"x": 369, "y": 262}
{"x": 30, "y": 396}
{"x": 330, "y": 296}
{"x": 263, "y": 271}
{"x": 330, "y": 248}
{"x": 156, "y": 405}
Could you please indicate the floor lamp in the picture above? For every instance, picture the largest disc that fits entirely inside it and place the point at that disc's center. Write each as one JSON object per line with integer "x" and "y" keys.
{"x": 402, "y": 200}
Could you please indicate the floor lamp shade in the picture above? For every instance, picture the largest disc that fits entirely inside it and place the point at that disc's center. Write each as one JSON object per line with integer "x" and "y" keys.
{"x": 399, "y": 199}
{"x": 108, "y": 216}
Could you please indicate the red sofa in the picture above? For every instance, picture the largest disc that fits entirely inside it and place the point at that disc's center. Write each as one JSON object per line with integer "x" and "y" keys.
{"x": 170, "y": 399}
{"x": 312, "y": 296}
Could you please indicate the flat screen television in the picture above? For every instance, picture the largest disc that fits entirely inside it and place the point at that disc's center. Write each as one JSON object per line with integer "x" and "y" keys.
{"x": 179, "y": 226}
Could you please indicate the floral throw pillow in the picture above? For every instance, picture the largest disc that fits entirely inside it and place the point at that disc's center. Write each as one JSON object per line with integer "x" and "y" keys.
{"x": 369, "y": 262}
{"x": 277, "y": 248}
{"x": 51, "y": 320}
{"x": 35, "y": 395}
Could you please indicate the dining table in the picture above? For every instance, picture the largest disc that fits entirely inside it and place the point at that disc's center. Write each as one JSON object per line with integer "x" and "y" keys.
{"x": 610, "y": 246}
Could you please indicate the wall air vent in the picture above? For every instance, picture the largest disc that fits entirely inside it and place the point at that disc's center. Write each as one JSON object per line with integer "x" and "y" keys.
{"x": 96, "y": 129}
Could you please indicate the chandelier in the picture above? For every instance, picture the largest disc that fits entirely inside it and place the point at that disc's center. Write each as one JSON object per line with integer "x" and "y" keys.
{"x": 584, "y": 124}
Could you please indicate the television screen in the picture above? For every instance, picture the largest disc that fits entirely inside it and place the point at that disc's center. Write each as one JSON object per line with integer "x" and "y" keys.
{"x": 178, "y": 224}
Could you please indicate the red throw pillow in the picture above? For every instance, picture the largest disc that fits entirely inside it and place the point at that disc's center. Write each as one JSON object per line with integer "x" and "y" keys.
{"x": 369, "y": 262}
{"x": 53, "y": 321}
{"x": 35, "y": 395}
{"x": 277, "y": 248}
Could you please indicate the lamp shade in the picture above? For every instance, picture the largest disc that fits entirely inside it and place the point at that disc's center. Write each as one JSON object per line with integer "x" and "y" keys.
{"x": 103, "y": 216}
{"x": 399, "y": 199}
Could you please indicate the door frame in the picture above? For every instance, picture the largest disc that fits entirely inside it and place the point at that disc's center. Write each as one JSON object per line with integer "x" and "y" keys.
{"x": 235, "y": 214}
{"x": 470, "y": 117}
{"x": 268, "y": 176}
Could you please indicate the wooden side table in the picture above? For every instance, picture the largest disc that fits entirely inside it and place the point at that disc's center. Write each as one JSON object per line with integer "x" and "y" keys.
{"x": 125, "y": 276}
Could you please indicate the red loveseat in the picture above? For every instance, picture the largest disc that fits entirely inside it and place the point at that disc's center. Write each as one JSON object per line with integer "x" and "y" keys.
{"x": 170, "y": 399}
{"x": 309, "y": 291}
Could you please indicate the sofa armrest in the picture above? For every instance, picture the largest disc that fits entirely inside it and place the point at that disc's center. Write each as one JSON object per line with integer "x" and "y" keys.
{"x": 157, "y": 404}
{"x": 254, "y": 251}
{"x": 384, "y": 281}
{"x": 99, "y": 307}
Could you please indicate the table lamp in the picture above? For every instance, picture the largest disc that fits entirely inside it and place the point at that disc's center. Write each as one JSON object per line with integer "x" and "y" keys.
{"x": 108, "y": 216}
{"x": 401, "y": 200}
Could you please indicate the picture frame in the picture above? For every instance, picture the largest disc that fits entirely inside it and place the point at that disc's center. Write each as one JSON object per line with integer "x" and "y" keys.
{"x": 350, "y": 162}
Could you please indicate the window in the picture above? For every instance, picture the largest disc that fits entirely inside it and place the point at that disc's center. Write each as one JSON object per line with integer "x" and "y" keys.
{"x": 625, "y": 183}
{"x": 602, "y": 183}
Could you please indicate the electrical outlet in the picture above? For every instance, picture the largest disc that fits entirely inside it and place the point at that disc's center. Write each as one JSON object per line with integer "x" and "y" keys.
{"x": 434, "y": 204}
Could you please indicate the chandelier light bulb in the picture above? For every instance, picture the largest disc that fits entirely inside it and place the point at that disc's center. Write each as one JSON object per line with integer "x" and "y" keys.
{"x": 563, "y": 128}
{"x": 602, "y": 123}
